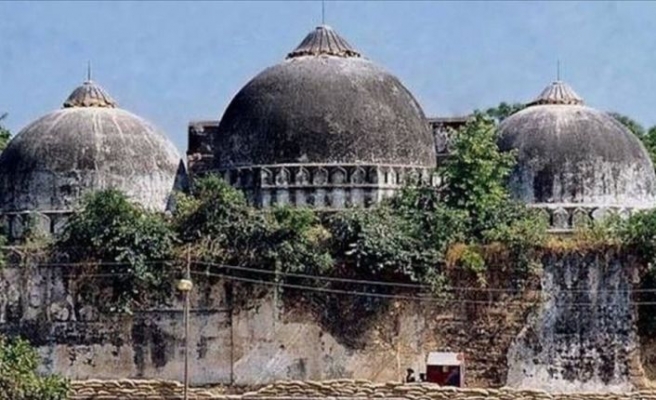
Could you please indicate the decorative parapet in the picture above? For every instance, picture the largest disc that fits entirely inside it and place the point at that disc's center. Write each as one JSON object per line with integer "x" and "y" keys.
{"x": 330, "y": 186}
{"x": 565, "y": 218}
{"x": 200, "y": 147}
{"x": 16, "y": 224}
{"x": 443, "y": 131}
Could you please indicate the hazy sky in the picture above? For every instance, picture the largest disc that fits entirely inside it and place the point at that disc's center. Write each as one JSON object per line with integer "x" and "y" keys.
{"x": 172, "y": 62}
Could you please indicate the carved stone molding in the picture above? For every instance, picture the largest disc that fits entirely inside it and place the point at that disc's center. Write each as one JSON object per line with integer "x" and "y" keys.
{"x": 568, "y": 217}
{"x": 324, "y": 185}
{"x": 16, "y": 224}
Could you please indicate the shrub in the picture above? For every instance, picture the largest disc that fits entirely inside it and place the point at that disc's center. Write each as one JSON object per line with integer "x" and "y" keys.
{"x": 121, "y": 239}
{"x": 18, "y": 377}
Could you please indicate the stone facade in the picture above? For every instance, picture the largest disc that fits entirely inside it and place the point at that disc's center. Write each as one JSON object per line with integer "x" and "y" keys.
{"x": 565, "y": 218}
{"x": 246, "y": 337}
{"x": 321, "y": 186}
{"x": 200, "y": 147}
{"x": 443, "y": 129}
{"x": 318, "y": 185}
{"x": 17, "y": 224}
{"x": 582, "y": 336}
{"x": 330, "y": 186}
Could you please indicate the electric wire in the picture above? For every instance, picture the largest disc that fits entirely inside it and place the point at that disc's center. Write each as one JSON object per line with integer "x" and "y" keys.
{"x": 316, "y": 277}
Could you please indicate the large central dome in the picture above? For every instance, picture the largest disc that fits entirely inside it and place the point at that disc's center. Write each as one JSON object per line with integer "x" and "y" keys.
{"x": 324, "y": 104}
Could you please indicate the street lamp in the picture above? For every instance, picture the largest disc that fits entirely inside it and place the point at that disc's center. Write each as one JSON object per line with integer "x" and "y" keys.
{"x": 185, "y": 286}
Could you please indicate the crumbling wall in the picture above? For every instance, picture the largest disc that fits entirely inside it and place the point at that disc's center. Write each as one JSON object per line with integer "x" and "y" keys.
{"x": 244, "y": 339}
{"x": 583, "y": 336}
{"x": 238, "y": 337}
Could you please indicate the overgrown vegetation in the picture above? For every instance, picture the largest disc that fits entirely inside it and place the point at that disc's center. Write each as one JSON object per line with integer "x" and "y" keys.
{"x": 18, "y": 377}
{"x": 504, "y": 110}
{"x": 404, "y": 239}
{"x": 5, "y": 134}
{"x": 423, "y": 235}
{"x": 647, "y": 136}
{"x": 127, "y": 250}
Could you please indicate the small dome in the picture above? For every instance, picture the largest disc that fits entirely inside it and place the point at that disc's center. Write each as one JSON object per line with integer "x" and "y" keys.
{"x": 89, "y": 95}
{"x": 572, "y": 154}
{"x": 324, "y": 41}
{"x": 557, "y": 93}
{"x": 324, "y": 104}
{"x": 87, "y": 145}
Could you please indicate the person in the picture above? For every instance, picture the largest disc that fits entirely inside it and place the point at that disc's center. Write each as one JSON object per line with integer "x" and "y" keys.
{"x": 410, "y": 377}
{"x": 454, "y": 377}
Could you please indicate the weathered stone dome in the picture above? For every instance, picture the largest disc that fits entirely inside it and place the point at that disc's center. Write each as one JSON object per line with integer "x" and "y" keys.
{"x": 88, "y": 145}
{"x": 324, "y": 104}
{"x": 573, "y": 155}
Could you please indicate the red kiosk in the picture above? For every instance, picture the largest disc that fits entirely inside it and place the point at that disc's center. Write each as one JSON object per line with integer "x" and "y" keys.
{"x": 446, "y": 369}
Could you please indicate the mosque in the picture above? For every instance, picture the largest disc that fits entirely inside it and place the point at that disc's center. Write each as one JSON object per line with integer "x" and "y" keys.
{"x": 325, "y": 128}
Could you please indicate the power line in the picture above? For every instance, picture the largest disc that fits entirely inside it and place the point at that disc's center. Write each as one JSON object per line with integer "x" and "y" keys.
{"x": 326, "y": 278}
{"x": 347, "y": 292}
{"x": 427, "y": 298}
{"x": 318, "y": 277}
{"x": 405, "y": 285}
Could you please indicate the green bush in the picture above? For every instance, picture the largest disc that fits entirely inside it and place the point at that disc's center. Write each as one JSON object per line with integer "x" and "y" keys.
{"x": 295, "y": 241}
{"x": 117, "y": 237}
{"x": 218, "y": 223}
{"x": 18, "y": 377}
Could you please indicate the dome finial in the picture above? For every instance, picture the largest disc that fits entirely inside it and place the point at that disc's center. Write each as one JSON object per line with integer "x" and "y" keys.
{"x": 323, "y": 12}
{"x": 558, "y": 70}
{"x": 89, "y": 94}
{"x": 324, "y": 41}
{"x": 557, "y": 92}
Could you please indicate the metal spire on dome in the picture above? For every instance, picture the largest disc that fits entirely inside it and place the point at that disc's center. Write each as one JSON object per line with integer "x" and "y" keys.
{"x": 323, "y": 12}
{"x": 324, "y": 41}
{"x": 557, "y": 92}
{"x": 89, "y": 94}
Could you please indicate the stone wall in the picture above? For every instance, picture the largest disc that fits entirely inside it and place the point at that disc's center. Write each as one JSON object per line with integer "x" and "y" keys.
{"x": 241, "y": 335}
{"x": 583, "y": 336}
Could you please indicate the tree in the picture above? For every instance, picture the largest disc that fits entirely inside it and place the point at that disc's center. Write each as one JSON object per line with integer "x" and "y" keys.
{"x": 648, "y": 137}
{"x": 629, "y": 123}
{"x": 475, "y": 179}
{"x": 296, "y": 241}
{"x": 5, "y": 135}
{"x": 649, "y": 140}
{"x": 224, "y": 228}
{"x": 131, "y": 245}
{"x": 475, "y": 174}
{"x": 218, "y": 222}
{"x": 504, "y": 110}
{"x": 18, "y": 377}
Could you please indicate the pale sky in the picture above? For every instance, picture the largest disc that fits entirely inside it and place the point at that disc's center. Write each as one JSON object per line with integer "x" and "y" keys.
{"x": 172, "y": 62}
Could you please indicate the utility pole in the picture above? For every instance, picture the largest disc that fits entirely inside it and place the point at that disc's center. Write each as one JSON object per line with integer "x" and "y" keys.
{"x": 185, "y": 285}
